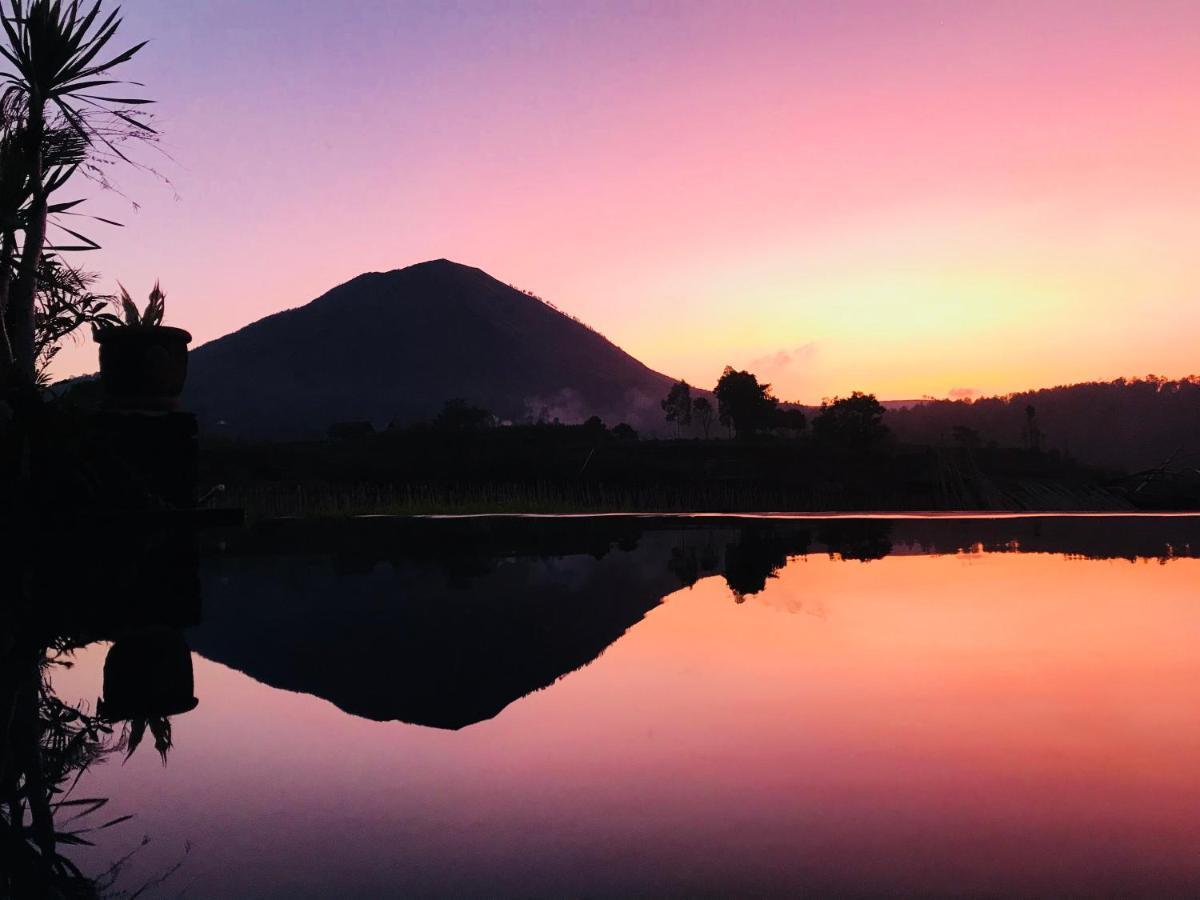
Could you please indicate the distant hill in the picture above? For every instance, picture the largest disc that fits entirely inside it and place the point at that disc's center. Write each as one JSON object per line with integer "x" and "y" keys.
{"x": 396, "y": 345}
{"x": 901, "y": 404}
{"x": 1130, "y": 424}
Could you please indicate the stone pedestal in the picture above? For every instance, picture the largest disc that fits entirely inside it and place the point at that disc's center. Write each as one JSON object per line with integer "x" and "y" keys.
{"x": 157, "y": 451}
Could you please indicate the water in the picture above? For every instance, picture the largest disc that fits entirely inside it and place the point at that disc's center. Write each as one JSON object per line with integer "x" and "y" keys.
{"x": 617, "y": 706}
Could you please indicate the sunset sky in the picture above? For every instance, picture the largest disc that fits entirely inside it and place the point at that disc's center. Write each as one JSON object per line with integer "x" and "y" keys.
{"x": 906, "y": 198}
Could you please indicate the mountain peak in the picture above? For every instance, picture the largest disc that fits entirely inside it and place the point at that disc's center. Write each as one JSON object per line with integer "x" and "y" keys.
{"x": 435, "y": 264}
{"x": 439, "y": 266}
{"x": 395, "y": 346}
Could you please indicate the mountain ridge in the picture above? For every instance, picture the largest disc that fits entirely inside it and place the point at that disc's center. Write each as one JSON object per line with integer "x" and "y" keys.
{"x": 396, "y": 345}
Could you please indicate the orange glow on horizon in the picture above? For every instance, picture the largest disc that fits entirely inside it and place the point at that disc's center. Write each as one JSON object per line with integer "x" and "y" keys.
{"x": 1008, "y": 723}
{"x": 903, "y": 199}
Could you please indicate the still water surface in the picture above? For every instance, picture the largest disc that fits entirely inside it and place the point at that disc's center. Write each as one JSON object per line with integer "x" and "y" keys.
{"x": 1003, "y": 707}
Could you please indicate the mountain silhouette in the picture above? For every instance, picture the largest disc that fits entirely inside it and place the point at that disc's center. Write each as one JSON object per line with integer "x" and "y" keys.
{"x": 394, "y": 346}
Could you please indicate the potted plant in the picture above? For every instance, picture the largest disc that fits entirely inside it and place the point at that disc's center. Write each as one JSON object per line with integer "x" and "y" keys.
{"x": 143, "y": 363}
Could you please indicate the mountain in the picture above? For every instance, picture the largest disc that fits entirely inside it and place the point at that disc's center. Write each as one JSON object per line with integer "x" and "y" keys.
{"x": 396, "y": 345}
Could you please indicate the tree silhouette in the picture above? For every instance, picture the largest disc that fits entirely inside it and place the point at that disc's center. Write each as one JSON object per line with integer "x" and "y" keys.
{"x": 725, "y": 419}
{"x": 459, "y": 415}
{"x": 1031, "y": 433}
{"x": 65, "y": 304}
{"x": 743, "y": 403}
{"x": 678, "y": 405}
{"x": 623, "y": 431}
{"x": 1126, "y": 423}
{"x": 967, "y": 438}
{"x": 851, "y": 422}
{"x": 54, "y": 124}
{"x": 702, "y": 412}
{"x": 791, "y": 420}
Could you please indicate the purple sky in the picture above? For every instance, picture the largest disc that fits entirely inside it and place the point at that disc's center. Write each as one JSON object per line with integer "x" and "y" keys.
{"x": 908, "y": 198}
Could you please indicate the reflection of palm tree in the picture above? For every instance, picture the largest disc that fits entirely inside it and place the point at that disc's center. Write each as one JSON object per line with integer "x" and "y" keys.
{"x": 48, "y": 745}
{"x": 45, "y": 748}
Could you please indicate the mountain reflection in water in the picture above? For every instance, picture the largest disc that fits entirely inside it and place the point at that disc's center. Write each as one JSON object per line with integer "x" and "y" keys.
{"x": 446, "y": 623}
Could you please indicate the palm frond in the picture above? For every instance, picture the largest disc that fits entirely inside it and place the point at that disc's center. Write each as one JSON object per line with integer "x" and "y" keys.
{"x": 128, "y": 307}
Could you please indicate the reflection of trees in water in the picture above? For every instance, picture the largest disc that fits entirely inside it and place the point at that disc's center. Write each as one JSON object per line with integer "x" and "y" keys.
{"x": 759, "y": 551}
{"x": 747, "y": 562}
{"x": 757, "y": 555}
{"x": 491, "y": 609}
{"x": 135, "y": 589}
{"x": 862, "y": 540}
{"x": 47, "y": 746}
{"x": 689, "y": 561}
{"x": 684, "y": 564}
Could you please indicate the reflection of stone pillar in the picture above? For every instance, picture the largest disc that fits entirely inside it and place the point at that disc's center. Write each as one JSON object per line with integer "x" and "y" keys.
{"x": 125, "y": 579}
{"x": 148, "y": 675}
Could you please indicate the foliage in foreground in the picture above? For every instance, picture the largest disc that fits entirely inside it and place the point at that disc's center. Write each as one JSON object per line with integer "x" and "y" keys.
{"x": 58, "y": 117}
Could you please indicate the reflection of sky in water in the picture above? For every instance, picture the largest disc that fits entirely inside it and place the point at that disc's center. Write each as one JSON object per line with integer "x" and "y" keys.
{"x": 982, "y": 723}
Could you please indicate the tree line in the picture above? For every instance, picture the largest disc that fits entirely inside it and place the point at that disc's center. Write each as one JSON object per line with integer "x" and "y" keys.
{"x": 747, "y": 408}
{"x": 1127, "y": 423}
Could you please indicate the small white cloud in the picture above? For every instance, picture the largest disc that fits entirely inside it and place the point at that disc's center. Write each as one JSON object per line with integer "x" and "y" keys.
{"x": 785, "y": 370}
{"x": 783, "y": 362}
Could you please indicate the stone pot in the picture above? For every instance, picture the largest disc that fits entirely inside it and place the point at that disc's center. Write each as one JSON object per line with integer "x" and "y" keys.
{"x": 148, "y": 675}
{"x": 143, "y": 368}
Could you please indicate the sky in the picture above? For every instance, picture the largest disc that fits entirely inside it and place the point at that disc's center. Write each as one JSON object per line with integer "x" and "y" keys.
{"x": 908, "y": 198}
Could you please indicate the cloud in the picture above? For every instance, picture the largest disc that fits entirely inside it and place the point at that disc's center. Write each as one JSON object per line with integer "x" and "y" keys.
{"x": 963, "y": 393}
{"x": 783, "y": 362}
{"x": 788, "y": 371}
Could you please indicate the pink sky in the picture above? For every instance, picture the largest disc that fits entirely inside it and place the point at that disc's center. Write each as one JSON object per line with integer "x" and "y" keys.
{"x": 906, "y": 198}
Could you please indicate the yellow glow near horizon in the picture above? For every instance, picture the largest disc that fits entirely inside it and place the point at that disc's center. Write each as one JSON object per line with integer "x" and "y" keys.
{"x": 919, "y": 197}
